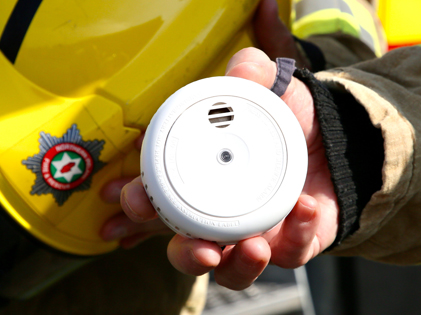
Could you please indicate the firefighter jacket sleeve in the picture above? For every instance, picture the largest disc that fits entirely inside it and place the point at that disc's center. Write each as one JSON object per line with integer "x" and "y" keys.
{"x": 373, "y": 123}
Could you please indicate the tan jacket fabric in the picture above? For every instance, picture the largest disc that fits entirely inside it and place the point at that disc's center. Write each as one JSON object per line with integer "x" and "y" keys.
{"x": 389, "y": 88}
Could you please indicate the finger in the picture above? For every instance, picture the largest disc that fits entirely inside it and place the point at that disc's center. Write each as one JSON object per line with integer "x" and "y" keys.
{"x": 120, "y": 226}
{"x": 296, "y": 242}
{"x": 269, "y": 235}
{"x": 138, "y": 142}
{"x": 110, "y": 193}
{"x": 243, "y": 263}
{"x": 135, "y": 202}
{"x": 194, "y": 257}
{"x": 273, "y": 37}
{"x": 252, "y": 64}
{"x": 134, "y": 240}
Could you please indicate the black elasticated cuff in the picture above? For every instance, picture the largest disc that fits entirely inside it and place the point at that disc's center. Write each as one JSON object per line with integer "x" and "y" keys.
{"x": 349, "y": 138}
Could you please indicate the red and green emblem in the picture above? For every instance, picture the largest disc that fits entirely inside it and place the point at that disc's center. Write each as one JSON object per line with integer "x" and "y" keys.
{"x": 64, "y": 165}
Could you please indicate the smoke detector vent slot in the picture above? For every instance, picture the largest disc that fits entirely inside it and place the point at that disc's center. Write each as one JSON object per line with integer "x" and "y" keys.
{"x": 221, "y": 115}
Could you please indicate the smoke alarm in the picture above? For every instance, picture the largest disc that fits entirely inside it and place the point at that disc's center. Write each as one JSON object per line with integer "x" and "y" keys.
{"x": 223, "y": 159}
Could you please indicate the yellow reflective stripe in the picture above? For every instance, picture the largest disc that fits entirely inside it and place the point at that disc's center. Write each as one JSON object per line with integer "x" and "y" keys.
{"x": 324, "y": 22}
{"x": 367, "y": 24}
{"x": 306, "y": 7}
{"x": 313, "y": 17}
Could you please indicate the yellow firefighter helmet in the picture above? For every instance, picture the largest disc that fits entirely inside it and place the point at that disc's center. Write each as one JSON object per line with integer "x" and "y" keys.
{"x": 78, "y": 81}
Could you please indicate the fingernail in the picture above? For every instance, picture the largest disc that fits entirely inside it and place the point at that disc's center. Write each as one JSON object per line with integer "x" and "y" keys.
{"x": 248, "y": 261}
{"x": 117, "y": 233}
{"x": 137, "y": 216}
{"x": 306, "y": 216}
{"x": 205, "y": 257}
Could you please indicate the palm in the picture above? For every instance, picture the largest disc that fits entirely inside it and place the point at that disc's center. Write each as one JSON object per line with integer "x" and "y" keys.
{"x": 318, "y": 183}
{"x": 277, "y": 41}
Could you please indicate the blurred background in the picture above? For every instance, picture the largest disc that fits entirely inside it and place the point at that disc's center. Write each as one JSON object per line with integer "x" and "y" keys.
{"x": 326, "y": 285}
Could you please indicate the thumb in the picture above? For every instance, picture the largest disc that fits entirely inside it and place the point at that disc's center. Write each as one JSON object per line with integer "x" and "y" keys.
{"x": 254, "y": 65}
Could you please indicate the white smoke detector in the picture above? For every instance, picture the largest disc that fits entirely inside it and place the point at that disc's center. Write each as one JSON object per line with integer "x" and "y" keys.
{"x": 223, "y": 159}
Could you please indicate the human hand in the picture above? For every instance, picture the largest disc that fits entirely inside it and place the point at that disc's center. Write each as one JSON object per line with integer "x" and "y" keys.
{"x": 310, "y": 227}
{"x": 273, "y": 37}
{"x": 130, "y": 227}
